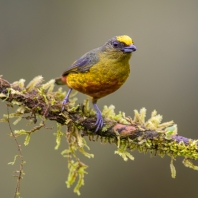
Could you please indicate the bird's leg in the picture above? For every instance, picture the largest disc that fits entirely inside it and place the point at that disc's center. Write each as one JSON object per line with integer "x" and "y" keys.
{"x": 66, "y": 99}
{"x": 99, "y": 122}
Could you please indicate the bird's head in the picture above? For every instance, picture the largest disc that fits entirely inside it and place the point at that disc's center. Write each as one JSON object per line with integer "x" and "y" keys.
{"x": 122, "y": 44}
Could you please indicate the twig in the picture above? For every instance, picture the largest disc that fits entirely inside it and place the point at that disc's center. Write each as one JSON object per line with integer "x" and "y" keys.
{"x": 20, "y": 172}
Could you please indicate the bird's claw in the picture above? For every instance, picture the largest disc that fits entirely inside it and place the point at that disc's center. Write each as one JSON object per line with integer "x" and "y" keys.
{"x": 99, "y": 122}
{"x": 65, "y": 101}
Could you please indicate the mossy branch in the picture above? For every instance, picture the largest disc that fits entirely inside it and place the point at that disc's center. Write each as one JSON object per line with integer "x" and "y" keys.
{"x": 38, "y": 99}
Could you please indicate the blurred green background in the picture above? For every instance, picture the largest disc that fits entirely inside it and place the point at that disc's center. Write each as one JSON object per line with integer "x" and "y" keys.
{"x": 45, "y": 37}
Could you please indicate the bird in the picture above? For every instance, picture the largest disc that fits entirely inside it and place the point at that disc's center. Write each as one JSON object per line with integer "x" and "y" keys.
{"x": 99, "y": 72}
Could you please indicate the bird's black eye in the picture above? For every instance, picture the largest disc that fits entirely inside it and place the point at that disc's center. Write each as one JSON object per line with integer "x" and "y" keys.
{"x": 115, "y": 44}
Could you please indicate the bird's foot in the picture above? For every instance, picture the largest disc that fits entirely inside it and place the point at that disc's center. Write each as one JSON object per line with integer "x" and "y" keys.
{"x": 99, "y": 122}
{"x": 66, "y": 99}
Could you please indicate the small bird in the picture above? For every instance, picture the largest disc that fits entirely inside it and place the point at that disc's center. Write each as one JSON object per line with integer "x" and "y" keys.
{"x": 100, "y": 72}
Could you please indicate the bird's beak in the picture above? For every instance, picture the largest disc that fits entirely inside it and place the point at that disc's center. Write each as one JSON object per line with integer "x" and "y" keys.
{"x": 129, "y": 49}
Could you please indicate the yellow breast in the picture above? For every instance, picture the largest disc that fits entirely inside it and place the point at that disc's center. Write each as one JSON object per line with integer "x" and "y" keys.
{"x": 102, "y": 79}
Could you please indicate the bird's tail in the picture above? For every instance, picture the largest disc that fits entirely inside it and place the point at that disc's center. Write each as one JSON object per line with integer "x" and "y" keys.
{"x": 60, "y": 81}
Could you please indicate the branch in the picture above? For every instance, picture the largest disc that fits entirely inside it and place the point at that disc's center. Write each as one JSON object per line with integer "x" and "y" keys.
{"x": 38, "y": 99}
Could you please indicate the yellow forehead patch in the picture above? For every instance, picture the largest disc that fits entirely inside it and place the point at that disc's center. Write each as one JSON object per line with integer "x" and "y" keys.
{"x": 125, "y": 39}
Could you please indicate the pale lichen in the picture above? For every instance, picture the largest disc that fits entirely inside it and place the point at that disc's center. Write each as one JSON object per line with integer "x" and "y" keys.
{"x": 188, "y": 163}
{"x": 109, "y": 113}
{"x": 76, "y": 167}
{"x": 122, "y": 151}
{"x": 20, "y": 84}
{"x": 35, "y": 83}
{"x": 13, "y": 162}
{"x": 172, "y": 168}
{"x": 59, "y": 134}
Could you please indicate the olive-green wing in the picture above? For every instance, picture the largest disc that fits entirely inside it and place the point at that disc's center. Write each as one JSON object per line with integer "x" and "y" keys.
{"x": 84, "y": 63}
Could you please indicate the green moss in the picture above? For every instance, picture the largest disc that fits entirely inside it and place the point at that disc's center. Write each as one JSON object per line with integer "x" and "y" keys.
{"x": 162, "y": 143}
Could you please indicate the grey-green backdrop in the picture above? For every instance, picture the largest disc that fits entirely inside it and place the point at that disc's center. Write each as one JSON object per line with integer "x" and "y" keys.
{"x": 45, "y": 37}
